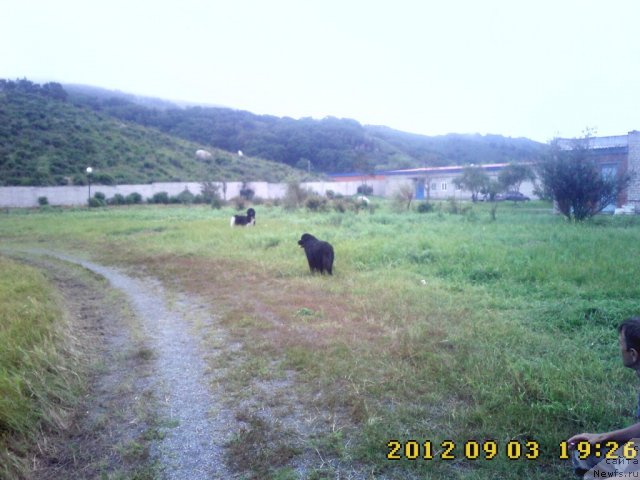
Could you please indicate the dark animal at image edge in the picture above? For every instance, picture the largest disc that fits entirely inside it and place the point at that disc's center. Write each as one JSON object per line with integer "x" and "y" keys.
{"x": 319, "y": 253}
{"x": 244, "y": 220}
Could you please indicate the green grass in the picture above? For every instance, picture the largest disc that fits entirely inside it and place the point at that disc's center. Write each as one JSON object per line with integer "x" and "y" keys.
{"x": 37, "y": 381}
{"x": 48, "y": 140}
{"x": 435, "y": 326}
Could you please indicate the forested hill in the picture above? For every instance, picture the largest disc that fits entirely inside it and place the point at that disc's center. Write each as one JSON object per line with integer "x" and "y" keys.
{"x": 328, "y": 145}
{"x": 459, "y": 149}
{"x": 49, "y": 134}
{"x": 45, "y": 139}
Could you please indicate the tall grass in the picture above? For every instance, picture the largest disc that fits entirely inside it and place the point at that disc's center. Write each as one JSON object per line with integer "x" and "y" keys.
{"x": 37, "y": 382}
{"x": 435, "y": 326}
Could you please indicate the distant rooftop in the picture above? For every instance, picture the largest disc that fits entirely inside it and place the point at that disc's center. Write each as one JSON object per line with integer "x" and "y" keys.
{"x": 596, "y": 143}
{"x": 417, "y": 171}
{"x": 447, "y": 169}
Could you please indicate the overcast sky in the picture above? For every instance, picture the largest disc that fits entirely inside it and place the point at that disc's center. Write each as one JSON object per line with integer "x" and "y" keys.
{"x": 535, "y": 69}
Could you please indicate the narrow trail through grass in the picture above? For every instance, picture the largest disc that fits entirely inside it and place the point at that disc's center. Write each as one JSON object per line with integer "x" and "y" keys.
{"x": 190, "y": 438}
{"x": 104, "y": 425}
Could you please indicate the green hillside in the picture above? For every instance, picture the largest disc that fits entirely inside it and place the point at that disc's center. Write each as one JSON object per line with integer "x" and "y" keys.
{"x": 457, "y": 149}
{"x": 47, "y": 140}
{"x": 50, "y": 134}
{"x": 328, "y": 145}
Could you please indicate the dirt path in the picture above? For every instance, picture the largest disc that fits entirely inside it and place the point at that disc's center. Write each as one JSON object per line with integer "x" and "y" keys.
{"x": 177, "y": 397}
{"x": 191, "y": 432}
{"x": 193, "y": 447}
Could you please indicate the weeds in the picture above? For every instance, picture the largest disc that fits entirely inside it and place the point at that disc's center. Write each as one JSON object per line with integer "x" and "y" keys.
{"x": 260, "y": 447}
{"x": 38, "y": 380}
{"x": 434, "y": 326}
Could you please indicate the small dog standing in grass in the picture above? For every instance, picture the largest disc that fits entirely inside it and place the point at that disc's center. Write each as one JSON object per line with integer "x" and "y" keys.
{"x": 319, "y": 253}
{"x": 244, "y": 220}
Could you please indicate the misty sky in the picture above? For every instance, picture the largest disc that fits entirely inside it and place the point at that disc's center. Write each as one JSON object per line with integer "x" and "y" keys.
{"x": 536, "y": 69}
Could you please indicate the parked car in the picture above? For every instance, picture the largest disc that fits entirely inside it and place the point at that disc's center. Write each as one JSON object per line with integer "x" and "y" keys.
{"x": 513, "y": 196}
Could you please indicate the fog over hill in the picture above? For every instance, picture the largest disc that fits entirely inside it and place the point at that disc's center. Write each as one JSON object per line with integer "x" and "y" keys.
{"x": 328, "y": 145}
{"x": 142, "y": 100}
{"x": 50, "y": 133}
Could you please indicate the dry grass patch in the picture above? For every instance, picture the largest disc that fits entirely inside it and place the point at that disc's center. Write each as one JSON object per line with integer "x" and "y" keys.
{"x": 300, "y": 342}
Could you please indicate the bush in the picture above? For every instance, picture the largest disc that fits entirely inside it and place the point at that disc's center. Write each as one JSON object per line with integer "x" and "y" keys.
{"x": 133, "y": 198}
{"x": 454, "y": 207}
{"x": 316, "y": 203}
{"x": 160, "y": 197}
{"x": 216, "y": 203}
{"x": 79, "y": 179}
{"x": 573, "y": 178}
{"x": 474, "y": 179}
{"x": 238, "y": 202}
{"x": 103, "y": 179}
{"x": 247, "y": 192}
{"x": 340, "y": 205}
{"x": 295, "y": 195}
{"x": 185, "y": 197}
{"x": 42, "y": 201}
{"x": 117, "y": 199}
{"x": 403, "y": 197}
{"x": 211, "y": 193}
{"x": 96, "y": 202}
{"x": 424, "y": 207}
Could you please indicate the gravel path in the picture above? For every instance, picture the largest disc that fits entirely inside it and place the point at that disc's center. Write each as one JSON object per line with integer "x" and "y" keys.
{"x": 188, "y": 380}
{"x": 196, "y": 430}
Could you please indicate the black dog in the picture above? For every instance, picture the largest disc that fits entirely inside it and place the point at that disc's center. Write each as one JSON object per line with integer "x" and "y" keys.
{"x": 244, "y": 220}
{"x": 319, "y": 253}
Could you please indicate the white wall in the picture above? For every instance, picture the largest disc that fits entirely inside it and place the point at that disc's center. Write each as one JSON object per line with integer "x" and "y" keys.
{"x": 78, "y": 195}
{"x": 71, "y": 195}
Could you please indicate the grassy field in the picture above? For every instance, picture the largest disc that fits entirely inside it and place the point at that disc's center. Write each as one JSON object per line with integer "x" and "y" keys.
{"x": 434, "y": 326}
{"x": 37, "y": 363}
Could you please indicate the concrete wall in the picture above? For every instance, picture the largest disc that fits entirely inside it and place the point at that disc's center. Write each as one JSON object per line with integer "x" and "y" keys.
{"x": 78, "y": 195}
{"x": 633, "y": 192}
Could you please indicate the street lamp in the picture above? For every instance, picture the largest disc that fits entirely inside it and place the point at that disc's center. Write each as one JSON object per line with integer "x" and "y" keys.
{"x": 89, "y": 172}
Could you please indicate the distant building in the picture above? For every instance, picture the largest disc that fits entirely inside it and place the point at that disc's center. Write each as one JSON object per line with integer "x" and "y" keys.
{"x": 617, "y": 154}
{"x": 430, "y": 183}
{"x": 437, "y": 183}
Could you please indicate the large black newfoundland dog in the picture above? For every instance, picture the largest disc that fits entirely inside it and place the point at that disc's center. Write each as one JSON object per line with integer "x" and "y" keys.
{"x": 244, "y": 220}
{"x": 319, "y": 253}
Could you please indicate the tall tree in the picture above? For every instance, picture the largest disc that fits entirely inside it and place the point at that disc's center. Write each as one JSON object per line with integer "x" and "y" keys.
{"x": 473, "y": 179}
{"x": 512, "y": 176}
{"x": 573, "y": 178}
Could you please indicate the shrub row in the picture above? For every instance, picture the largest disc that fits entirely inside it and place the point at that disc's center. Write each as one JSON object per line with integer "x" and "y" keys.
{"x": 99, "y": 199}
{"x": 184, "y": 197}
